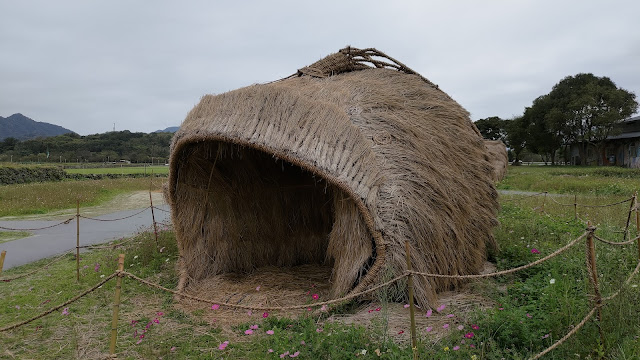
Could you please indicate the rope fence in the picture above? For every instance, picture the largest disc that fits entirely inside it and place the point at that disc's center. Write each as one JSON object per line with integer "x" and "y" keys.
{"x": 589, "y": 235}
{"x": 40, "y": 228}
{"x": 77, "y": 246}
{"x": 118, "y": 219}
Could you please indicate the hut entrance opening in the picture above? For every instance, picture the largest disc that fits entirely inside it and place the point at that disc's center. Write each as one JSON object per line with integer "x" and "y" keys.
{"x": 242, "y": 210}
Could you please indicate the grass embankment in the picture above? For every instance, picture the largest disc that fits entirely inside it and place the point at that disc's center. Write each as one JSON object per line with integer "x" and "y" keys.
{"x": 533, "y": 308}
{"x": 12, "y": 235}
{"x": 41, "y": 198}
{"x": 121, "y": 170}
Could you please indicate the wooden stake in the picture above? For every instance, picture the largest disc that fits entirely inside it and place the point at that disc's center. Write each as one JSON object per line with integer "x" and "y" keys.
{"x": 634, "y": 199}
{"x": 544, "y": 199}
{"x": 116, "y": 308}
{"x": 638, "y": 225}
{"x": 575, "y": 206}
{"x": 153, "y": 218}
{"x": 78, "y": 240}
{"x": 591, "y": 264}
{"x": 2, "y": 255}
{"x": 414, "y": 343}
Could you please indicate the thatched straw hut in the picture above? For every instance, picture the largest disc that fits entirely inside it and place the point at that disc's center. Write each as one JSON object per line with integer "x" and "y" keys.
{"x": 498, "y": 157}
{"x": 338, "y": 164}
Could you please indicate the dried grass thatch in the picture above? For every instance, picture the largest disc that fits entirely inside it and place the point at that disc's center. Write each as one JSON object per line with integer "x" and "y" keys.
{"x": 498, "y": 158}
{"x": 337, "y": 165}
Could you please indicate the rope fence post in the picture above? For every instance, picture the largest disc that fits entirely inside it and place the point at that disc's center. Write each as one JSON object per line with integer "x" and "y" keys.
{"x": 153, "y": 218}
{"x": 414, "y": 345}
{"x": 544, "y": 199}
{"x": 116, "y": 306}
{"x": 633, "y": 204}
{"x": 593, "y": 272}
{"x": 2, "y": 255}
{"x": 78, "y": 240}
{"x": 638, "y": 225}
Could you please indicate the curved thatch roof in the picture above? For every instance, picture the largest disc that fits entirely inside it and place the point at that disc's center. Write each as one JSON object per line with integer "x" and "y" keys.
{"x": 340, "y": 163}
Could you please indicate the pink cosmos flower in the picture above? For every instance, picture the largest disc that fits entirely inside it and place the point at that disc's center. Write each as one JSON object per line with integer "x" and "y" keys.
{"x": 295, "y": 354}
{"x": 472, "y": 346}
{"x": 159, "y": 313}
{"x": 96, "y": 268}
{"x": 456, "y": 348}
{"x": 270, "y": 332}
{"x": 475, "y": 327}
{"x": 265, "y": 314}
{"x": 460, "y": 327}
{"x": 378, "y": 309}
{"x": 253, "y": 327}
{"x": 318, "y": 330}
{"x": 18, "y": 307}
{"x": 429, "y": 312}
{"x": 156, "y": 321}
{"x": 468, "y": 335}
{"x": 400, "y": 332}
{"x": 258, "y": 288}
{"x": 249, "y": 312}
{"x": 535, "y": 251}
{"x": 450, "y": 315}
{"x": 429, "y": 328}
{"x": 545, "y": 336}
{"x": 223, "y": 345}
{"x": 173, "y": 348}
{"x": 65, "y": 311}
{"x": 215, "y": 307}
{"x": 248, "y": 332}
{"x": 529, "y": 316}
{"x": 445, "y": 326}
{"x": 270, "y": 350}
{"x": 324, "y": 308}
{"x": 315, "y": 296}
{"x": 441, "y": 307}
{"x": 406, "y": 306}
{"x": 303, "y": 343}
{"x": 138, "y": 342}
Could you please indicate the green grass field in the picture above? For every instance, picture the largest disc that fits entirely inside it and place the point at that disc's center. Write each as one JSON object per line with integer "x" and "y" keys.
{"x": 121, "y": 170}
{"x": 45, "y": 197}
{"x": 527, "y": 311}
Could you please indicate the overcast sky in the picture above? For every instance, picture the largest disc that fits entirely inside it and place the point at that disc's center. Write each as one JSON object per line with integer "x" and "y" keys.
{"x": 86, "y": 65}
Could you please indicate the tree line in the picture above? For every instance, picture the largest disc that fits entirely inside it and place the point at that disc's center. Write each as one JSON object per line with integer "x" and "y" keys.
{"x": 582, "y": 110}
{"x": 107, "y": 147}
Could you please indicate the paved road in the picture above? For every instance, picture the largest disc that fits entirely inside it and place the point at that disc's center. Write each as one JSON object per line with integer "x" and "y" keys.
{"x": 57, "y": 240}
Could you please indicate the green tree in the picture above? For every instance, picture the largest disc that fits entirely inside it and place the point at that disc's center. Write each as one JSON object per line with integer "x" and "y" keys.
{"x": 516, "y": 136}
{"x": 492, "y": 128}
{"x": 546, "y": 131}
{"x": 581, "y": 109}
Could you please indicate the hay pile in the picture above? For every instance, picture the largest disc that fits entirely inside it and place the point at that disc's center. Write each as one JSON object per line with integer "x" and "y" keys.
{"x": 336, "y": 167}
{"x": 497, "y": 156}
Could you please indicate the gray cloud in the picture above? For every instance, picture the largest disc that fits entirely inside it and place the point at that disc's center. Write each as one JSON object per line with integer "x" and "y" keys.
{"x": 85, "y": 65}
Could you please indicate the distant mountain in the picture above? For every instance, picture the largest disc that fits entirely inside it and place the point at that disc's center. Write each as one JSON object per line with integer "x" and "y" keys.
{"x": 24, "y": 128}
{"x": 170, "y": 129}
